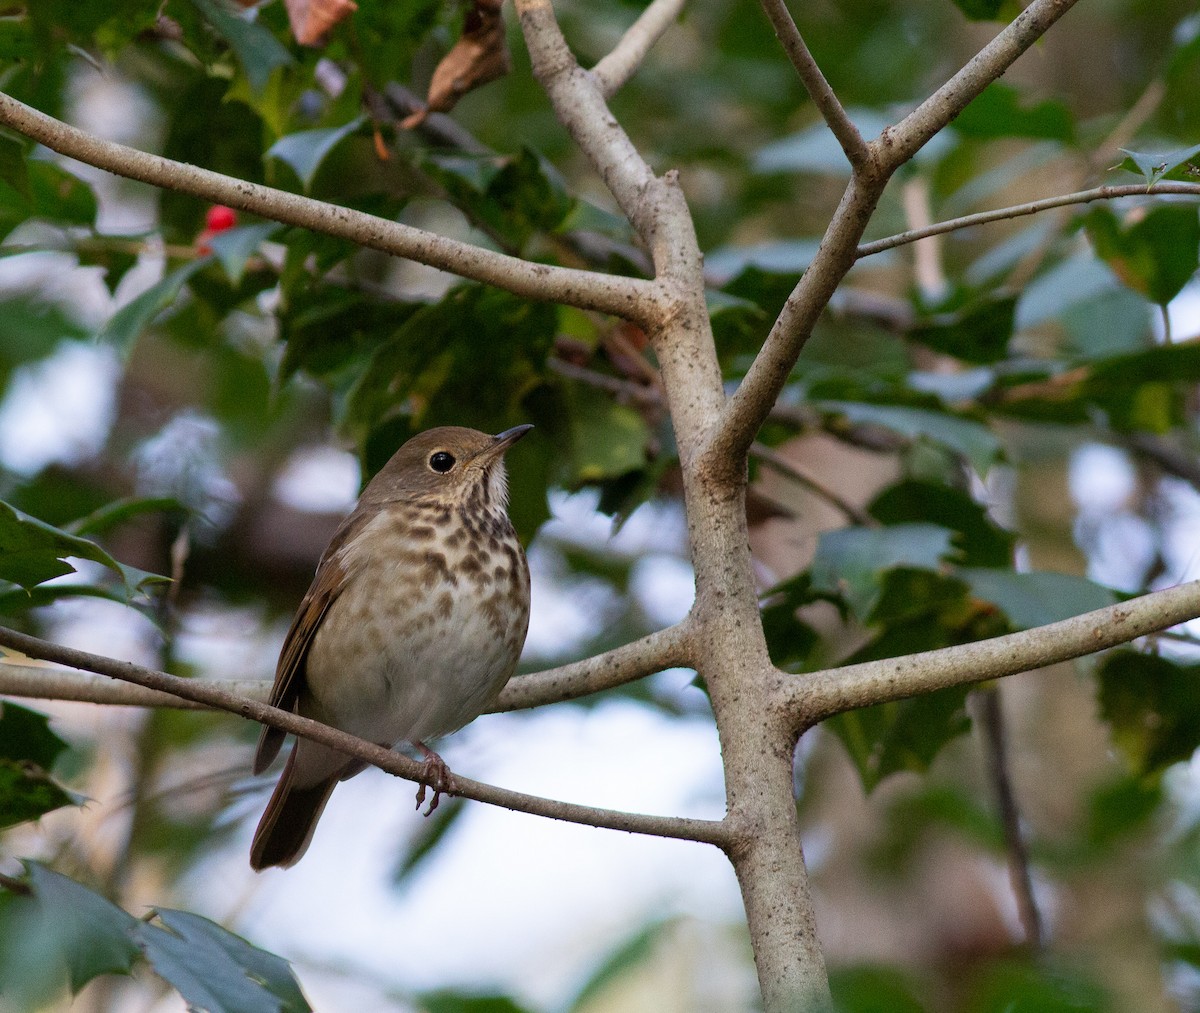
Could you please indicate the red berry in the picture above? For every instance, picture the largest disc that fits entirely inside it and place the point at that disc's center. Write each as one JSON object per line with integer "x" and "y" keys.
{"x": 220, "y": 218}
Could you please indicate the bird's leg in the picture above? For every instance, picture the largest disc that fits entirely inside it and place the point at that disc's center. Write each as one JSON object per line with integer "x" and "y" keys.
{"x": 434, "y": 768}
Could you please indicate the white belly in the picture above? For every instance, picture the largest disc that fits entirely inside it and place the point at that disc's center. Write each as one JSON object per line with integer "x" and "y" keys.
{"x": 397, "y": 660}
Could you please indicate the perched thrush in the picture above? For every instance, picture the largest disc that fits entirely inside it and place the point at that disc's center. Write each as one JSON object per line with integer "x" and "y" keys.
{"x": 412, "y": 626}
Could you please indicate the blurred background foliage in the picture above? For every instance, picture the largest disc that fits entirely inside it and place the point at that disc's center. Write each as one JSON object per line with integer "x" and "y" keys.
{"x": 988, "y": 432}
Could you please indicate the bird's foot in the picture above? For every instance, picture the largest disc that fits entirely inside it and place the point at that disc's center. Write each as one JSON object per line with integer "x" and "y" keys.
{"x": 440, "y": 778}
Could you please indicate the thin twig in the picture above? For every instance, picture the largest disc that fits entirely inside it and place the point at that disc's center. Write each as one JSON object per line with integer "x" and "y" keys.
{"x": 815, "y": 696}
{"x": 840, "y": 125}
{"x": 1020, "y": 210}
{"x": 638, "y": 393}
{"x": 626, "y": 297}
{"x": 780, "y": 463}
{"x": 614, "y": 70}
{"x": 996, "y": 751}
{"x": 200, "y": 691}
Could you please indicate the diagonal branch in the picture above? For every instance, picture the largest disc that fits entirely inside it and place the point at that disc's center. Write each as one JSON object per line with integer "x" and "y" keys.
{"x": 210, "y": 695}
{"x": 898, "y": 143}
{"x": 745, "y": 412}
{"x": 614, "y": 70}
{"x": 667, "y": 648}
{"x": 1030, "y": 208}
{"x": 580, "y": 107}
{"x": 815, "y": 696}
{"x": 857, "y": 151}
{"x": 625, "y": 297}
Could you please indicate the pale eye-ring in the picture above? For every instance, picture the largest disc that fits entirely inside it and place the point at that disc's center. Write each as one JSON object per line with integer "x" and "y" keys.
{"x": 441, "y": 462}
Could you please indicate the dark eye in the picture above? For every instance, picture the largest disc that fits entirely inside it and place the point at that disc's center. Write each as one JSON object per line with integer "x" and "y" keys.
{"x": 441, "y": 462}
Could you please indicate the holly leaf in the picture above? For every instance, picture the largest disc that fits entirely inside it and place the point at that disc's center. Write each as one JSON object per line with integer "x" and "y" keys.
{"x": 1155, "y": 255}
{"x": 1182, "y": 165}
{"x": 1152, "y": 705}
{"x": 32, "y": 552}
{"x": 851, "y": 561}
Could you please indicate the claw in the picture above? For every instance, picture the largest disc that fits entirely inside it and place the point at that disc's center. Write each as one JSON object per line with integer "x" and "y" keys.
{"x": 440, "y": 778}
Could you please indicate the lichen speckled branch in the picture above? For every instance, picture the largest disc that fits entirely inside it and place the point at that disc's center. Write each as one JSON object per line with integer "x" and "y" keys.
{"x": 622, "y": 62}
{"x": 211, "y": 695}
{"x": 666, "y": 648}
{"x": 814, "y": 696}
{"x": 855, "y": 148}
{"x": 751, "y": 403}
{"x": 626, "y": 297}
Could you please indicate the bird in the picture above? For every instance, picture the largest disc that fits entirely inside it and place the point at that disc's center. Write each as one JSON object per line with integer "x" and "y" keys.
{"x": 414, "y": 622}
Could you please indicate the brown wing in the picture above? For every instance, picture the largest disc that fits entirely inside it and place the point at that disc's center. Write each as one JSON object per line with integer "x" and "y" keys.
{"x": 289, "y": 673}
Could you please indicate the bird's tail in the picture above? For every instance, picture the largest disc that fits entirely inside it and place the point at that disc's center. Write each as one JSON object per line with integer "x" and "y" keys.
{"x": 287, "y": 826}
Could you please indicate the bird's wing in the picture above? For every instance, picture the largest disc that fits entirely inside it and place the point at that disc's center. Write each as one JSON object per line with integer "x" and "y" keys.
{"x": 289, "y": 673}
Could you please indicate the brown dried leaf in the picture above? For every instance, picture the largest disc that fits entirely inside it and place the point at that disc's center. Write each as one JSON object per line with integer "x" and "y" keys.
{"x": 479, "y": 56}
{"x": 311, "y": 20}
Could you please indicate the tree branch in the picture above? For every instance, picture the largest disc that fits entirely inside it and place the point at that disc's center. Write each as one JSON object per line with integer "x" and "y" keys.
{"x": 776, "y": 460}
{"x": 658, "y": 212}
{"x": 995, "y": 747}
{"x": 813, "y": 697}
{"x": 667, "y": 648}
{"x": 625, "y": 297}
{"x": 840, "y": 125}
{"x": 211, "y": 695}
{"x": 1020, "y": 210}
{"x": 613, "y": 71}
{"x": 745, "y": 412}
{"x": 898, "y": 143}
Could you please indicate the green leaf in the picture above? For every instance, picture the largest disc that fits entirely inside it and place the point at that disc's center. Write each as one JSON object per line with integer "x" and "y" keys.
{"x": 815, "y": 149}
{"x": 1154, "y": 254}
{"x": 1147, "y": 389}
{"x": 430, "y": 833}
{"x": 27, "y": 793}
{"x": 258, "y": 51}
{"x": 217, "y": 971}
{"x": 48, "y": 192}
{"x": 980, "y": 10}
{"x": 14, "y": 164}
{"x": 235, "y": 246}
{"x": 873, "y": 989}
{"x": 305, "y": 151}
{"x": 470, "y": 359}
{"x": 1180, "y": 164}
{"x": 1035, "y": 599}
{"x": 851, "y": 561}
{"x": 608, "y": 439}
{"x": 1120, "y": 808}
{"x": 457, "y": 1002}
{"x": 512, "y": 198}
{"x": 978, "y": 334}
{"x": 630, "y": 954}
{"x": 32, "y": 551}
{"x": 68, "y": 931}
{"x": 26, "y": 735}
{"x": 1153, "y": 707}
{"x": 124, "y": 326}
{"x": 980, "y": 541}
{"x": 973, "y": 440}
{"x": 1035, "y": 988}
{"x": 999, "y": 112}
{"x": 119, "y": 511}
{"x": 901, "y": 735}
{"x": 928, "y": 810}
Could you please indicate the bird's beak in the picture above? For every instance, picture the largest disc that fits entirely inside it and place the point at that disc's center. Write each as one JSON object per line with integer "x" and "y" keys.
{"x": 502, "y": 441}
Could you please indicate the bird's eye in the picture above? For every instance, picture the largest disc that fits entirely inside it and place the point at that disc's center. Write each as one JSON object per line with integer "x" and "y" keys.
{"x": 441, "y": 462}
